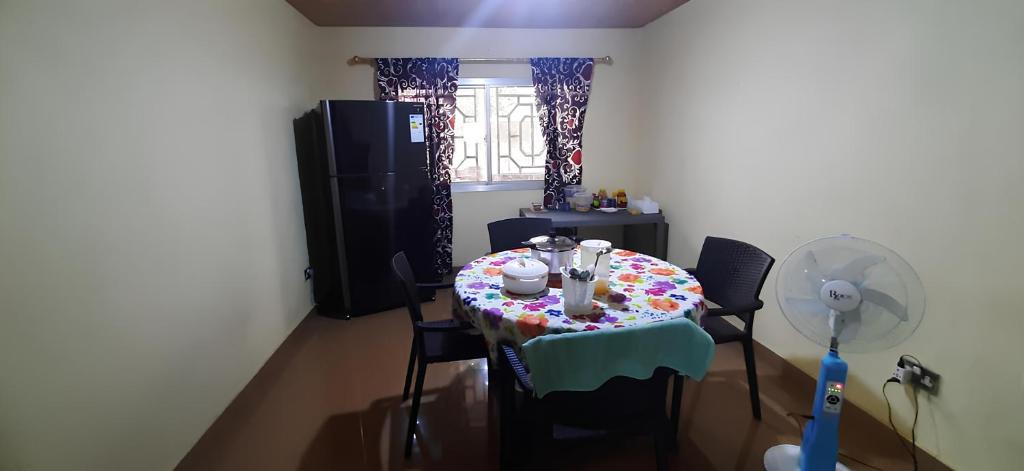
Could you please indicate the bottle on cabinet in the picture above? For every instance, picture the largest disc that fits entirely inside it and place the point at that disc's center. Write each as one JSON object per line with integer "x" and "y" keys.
{"x": 621, "y": 201}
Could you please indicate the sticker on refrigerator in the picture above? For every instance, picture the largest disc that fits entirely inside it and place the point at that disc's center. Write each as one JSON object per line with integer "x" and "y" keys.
{"x": 416, "y": 128}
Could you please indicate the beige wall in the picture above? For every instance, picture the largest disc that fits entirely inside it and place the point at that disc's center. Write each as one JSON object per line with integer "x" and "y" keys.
{"x": 610, "y": 133}
{"x": 779, "y": 122}
{"x": 151, "y": 237}
{"x": 150, "y": 227}
{"x": 152, "y": 242}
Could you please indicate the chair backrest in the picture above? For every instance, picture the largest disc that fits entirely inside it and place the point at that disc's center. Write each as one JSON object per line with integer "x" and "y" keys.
{"x": 636, "y": 400}
{"x": 508, "y": 234}
{"x": 403, "y": 271}
{"x": 732, "y": 272}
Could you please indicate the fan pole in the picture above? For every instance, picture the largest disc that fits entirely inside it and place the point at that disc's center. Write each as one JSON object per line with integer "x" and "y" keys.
{"x": 819, "y": 449}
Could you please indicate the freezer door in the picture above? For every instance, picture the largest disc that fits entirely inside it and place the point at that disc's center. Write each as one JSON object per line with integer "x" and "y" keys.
{"x": 412, "y": 197}
{"x": 367, "y": 229}
{"x": 382, "y": 215}
{"x": 374, "y": 137}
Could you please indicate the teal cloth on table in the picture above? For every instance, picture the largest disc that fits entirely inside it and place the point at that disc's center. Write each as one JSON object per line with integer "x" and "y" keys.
{"x": 583, "y": 361}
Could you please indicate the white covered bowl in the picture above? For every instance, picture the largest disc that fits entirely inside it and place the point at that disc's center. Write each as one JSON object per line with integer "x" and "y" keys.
{"x": 524, "y": 276}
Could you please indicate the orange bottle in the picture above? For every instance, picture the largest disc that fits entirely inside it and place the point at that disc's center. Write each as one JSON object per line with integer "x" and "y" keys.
{"x": 620, "y": 199}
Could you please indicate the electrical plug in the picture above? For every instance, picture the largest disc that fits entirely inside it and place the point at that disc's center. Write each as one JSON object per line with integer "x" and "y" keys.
{"x": 897, "y": 375}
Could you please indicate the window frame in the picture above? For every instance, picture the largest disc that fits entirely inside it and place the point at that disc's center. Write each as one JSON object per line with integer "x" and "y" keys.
{"x": 490, "y": 184}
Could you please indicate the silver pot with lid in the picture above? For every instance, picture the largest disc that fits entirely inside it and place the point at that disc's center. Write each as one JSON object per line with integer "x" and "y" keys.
{"x": 554, "y": 250}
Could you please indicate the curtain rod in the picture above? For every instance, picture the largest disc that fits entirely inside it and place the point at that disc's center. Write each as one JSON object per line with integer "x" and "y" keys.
{"x": 511, "y": 60}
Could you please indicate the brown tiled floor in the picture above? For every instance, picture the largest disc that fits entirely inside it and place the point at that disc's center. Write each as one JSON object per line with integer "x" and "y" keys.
{"x": 330, "y": 398}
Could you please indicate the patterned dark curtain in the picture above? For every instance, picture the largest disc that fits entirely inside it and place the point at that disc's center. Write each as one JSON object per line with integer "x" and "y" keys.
{"x": 433, "y": 82}
{"x": 562, "y": 86}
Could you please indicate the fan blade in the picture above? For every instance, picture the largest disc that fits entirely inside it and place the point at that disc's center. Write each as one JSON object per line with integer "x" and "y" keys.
{"x": 886, "y": 302}
{"x": 853, "y": 271}
{"x": 851, "y": 325}
{"x": 813, "y": 271}
{"x": 813, "y": 307}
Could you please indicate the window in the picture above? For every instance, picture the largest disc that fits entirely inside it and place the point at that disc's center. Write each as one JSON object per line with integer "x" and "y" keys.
{"x": 498, "y": 141}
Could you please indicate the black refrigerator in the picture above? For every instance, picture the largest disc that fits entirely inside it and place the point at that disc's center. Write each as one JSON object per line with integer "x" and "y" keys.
{"x": 366, "y": 195}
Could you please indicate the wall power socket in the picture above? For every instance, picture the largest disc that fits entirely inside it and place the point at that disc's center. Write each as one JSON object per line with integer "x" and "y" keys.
{"x": 909, "y": 371}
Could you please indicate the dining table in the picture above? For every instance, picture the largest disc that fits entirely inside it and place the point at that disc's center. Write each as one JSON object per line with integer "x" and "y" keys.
{"x": 642, "y": 290}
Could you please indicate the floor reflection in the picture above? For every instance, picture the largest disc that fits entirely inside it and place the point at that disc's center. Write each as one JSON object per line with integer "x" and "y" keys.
{"x": 453, "y": 429}
{"x": 330, "y": 399}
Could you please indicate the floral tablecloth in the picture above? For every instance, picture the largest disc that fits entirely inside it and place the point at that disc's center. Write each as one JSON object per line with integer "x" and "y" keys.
{"x": 654, "y": 290}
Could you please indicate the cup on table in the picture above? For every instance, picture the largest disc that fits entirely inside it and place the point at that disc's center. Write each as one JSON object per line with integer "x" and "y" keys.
{"x": 577, "y": 295}
{"x": 588, "y": 253}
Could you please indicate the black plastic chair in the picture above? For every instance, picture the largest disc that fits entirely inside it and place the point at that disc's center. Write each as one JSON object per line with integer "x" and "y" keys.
{"x": 508, "y": 234}
{"x": 587, "y": 412}
{"x": 732, "y": 274}
{"x": 432, "y": 341}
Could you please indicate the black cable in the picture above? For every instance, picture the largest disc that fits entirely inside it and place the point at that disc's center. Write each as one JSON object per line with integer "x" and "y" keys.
{"x": 795, "y": 417}
{"x": 912, "y": 357}
{"x": 844, "y": 455}
{"x": 891, "y": 423}
{"x": 913, "y": 431}
{"x": 912, "y": 451}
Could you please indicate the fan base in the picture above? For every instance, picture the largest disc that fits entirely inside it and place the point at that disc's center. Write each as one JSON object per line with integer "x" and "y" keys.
{"x": 787, "y": 458}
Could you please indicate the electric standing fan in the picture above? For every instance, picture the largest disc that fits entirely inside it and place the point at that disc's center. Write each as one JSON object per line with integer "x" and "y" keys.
{"x": 849, "y": 292}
